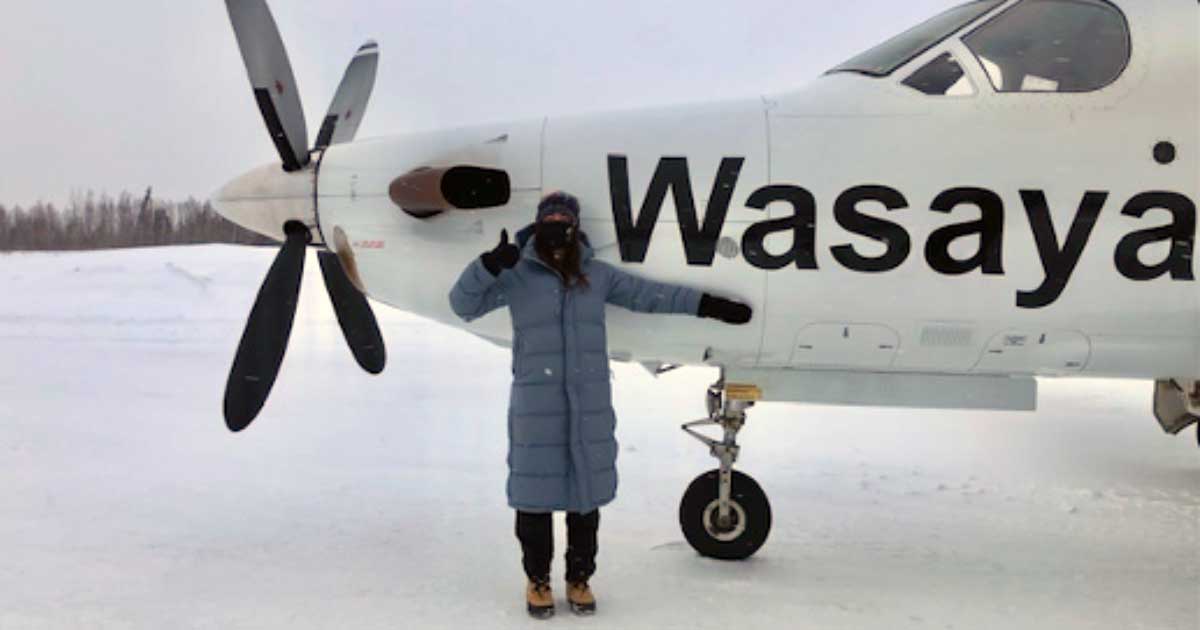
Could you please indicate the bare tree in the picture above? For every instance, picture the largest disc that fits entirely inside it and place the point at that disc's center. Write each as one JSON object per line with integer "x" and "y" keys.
{"x": 4, "y": 228}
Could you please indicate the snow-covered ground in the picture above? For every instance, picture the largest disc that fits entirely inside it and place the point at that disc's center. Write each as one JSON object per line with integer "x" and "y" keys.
{"x": 378, "y": 502}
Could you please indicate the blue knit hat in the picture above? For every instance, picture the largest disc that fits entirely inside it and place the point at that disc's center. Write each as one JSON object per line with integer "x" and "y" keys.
{"x": 559, "y": 202}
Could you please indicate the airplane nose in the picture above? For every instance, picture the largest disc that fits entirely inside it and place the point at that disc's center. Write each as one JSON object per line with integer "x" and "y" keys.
{"x": 265, "y": 199}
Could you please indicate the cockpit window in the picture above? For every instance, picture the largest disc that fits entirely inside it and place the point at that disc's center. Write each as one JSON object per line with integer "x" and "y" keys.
{"x": 941, "y": 77}
{"x": 1053, "y": 46}
{"x": 886, "y": 57}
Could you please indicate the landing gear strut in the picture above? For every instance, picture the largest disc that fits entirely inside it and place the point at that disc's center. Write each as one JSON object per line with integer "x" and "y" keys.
{"x": 724, "y": 513}
{"x": 1177, "y": 405}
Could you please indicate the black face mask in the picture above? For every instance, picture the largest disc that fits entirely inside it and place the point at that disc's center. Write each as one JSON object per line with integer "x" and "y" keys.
{"x": 555, "y": 234}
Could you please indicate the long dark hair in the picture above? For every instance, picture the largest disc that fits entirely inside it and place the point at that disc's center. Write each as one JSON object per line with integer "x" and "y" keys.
{"x": 568, "y": 267}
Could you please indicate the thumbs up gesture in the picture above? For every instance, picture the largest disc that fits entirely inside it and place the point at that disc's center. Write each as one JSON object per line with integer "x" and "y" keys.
{"x": 504, "y": 256}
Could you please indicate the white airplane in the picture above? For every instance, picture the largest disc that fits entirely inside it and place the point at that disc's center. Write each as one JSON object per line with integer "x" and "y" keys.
{"x": 1004, "y": 192}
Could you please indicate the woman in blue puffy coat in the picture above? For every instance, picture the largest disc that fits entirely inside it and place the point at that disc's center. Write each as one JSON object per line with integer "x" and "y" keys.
{"x": 562, "y": 453}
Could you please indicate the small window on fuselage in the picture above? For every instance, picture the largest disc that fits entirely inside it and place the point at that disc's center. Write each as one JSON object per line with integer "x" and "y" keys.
{"x": 1053, "y": 46}
{"x": 941, "y": 77}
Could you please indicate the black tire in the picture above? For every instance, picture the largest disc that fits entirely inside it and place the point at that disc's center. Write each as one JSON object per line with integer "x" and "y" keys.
{"x": 745, "y": 538}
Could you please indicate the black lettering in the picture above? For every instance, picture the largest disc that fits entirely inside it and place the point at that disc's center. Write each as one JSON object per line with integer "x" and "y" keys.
{"x": 1058, "y": 263}
{"x": 898, "y": 243}
{"x": 1181, "y": 232}
{"x": 699, "y": 242}
{"x": 989, "y": 228}
{"x": 802, "y": 223}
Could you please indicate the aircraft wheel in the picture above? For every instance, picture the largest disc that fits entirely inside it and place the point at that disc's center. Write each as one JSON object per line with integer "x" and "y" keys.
{"x": 751, "y": 517}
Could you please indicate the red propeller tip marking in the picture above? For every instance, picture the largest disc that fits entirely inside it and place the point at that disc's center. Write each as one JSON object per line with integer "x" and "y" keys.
{"x": 279, "y": 87}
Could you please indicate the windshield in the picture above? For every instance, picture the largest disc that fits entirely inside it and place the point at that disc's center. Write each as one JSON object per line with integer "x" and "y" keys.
{"x": 1053, "y": 46}
{"x": 883, "y": 59}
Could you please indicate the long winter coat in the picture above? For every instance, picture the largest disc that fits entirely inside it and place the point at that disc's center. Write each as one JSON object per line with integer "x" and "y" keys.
{"x": 562, "y": 452}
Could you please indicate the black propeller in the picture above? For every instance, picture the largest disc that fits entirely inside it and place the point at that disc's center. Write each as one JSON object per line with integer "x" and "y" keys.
{"x": 354, "y": 315}
{"x": 265, "y": 338}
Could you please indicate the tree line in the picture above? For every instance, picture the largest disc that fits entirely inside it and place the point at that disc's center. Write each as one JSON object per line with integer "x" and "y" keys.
{"x": 91, "y": 221}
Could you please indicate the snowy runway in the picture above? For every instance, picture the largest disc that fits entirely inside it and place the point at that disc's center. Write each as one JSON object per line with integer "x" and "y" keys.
{"x": 378, "y": 502}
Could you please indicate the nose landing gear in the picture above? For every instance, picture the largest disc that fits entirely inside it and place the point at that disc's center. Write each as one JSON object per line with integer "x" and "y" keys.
{"x": 724, "y": 513}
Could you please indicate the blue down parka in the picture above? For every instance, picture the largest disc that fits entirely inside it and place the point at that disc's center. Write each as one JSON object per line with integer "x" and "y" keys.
{"x": 561, "y": 449}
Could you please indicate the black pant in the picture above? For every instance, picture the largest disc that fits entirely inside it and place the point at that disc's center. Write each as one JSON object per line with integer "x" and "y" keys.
{"x": 536, "y": 533}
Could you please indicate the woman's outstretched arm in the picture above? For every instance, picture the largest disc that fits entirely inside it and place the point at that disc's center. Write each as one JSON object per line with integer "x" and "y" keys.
{"x": 647, "y": 296}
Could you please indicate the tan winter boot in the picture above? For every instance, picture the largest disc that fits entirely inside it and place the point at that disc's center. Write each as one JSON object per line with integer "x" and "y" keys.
{"x": 580, "y": 596}
{"x": 539, "y": 601}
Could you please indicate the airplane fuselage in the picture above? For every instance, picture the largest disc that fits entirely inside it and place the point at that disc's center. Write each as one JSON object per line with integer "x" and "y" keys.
{"x": 873, "y": 227}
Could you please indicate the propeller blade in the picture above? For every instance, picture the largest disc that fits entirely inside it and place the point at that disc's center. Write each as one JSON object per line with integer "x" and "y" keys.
{"x": 350, "y": 102}
{"x": 354, "y": 315}
{"x": 272, "y": 79}
{"x": 265, "y": 338}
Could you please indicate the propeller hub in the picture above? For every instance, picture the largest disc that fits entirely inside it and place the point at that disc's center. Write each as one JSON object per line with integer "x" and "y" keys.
{"x": 267, "y": 198}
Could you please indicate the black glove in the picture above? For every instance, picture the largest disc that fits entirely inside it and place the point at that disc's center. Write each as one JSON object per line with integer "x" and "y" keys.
{"x": 505, "y": 256}
{"x": 724, "y": 310}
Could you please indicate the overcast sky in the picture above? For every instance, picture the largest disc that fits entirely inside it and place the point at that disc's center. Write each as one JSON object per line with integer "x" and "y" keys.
{"x": 114, "y": 97}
